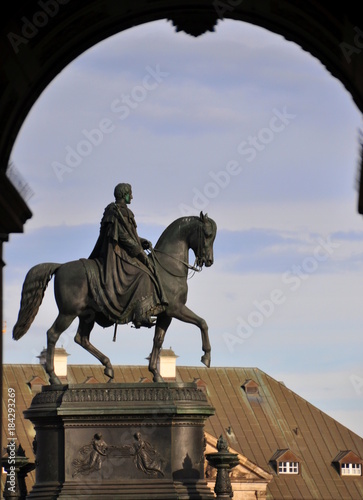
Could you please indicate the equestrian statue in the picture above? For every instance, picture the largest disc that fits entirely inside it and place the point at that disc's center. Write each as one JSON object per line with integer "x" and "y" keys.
{"x": 120, "y": 283}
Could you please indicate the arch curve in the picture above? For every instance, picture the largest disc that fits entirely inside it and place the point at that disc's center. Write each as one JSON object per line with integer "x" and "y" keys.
{"x": 41, "y": 37}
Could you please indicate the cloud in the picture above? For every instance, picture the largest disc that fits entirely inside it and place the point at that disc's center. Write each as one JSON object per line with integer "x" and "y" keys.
{"x": 189, "y": 127}
{"x": 182, "y": 145}
{"x": 321, "y": 217}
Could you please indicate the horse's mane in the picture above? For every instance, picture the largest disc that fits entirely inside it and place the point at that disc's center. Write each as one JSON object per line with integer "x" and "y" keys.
{"x": 169, "y": 229}
{"x": 165, "y": 235}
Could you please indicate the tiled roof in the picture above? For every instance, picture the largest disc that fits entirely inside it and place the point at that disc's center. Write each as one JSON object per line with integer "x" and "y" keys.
{"x": 257, "y": 424}
{"x": 347, "y": 456}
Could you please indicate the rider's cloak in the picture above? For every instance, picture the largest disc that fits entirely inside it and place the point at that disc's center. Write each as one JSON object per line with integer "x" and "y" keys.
{"x": 123, "y": 288}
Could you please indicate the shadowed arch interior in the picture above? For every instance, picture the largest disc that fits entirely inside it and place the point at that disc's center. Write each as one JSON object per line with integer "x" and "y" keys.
{"x": 40, "y": 38}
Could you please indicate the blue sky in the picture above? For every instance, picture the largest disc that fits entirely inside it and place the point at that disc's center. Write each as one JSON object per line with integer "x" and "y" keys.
{"x": 243, "y": 125}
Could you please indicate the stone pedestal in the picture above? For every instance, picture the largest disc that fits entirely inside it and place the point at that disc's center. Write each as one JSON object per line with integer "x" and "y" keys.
{"x": 122, "y": 441}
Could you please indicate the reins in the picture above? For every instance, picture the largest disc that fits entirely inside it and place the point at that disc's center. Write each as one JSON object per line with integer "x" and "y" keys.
{"x": 193, "y": 267}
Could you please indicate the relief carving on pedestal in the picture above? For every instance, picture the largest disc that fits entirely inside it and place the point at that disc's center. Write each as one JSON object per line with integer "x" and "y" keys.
{"x": 92, "y": 455}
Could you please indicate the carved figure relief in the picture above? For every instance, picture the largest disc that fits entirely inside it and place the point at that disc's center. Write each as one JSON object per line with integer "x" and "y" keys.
{"x": 146, "y": 458}
{"x": 92, "y": 455}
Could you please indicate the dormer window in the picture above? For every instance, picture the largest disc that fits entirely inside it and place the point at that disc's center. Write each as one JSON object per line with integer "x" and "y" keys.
{"x": 250, "y": 387}
{"x": 348, "y": 463}
{"x": 351, "y": 469}
{"x": 35, "y": 384}
{"x": 285, "y": 462}
{"x": 288, "y": 467}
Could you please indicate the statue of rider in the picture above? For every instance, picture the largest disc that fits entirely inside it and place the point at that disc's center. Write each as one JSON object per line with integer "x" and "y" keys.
{"x": 131, "y": 291}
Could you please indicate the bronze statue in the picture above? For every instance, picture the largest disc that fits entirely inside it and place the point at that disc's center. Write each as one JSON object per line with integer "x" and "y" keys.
{"x": 120, "y": 283}
{"x": 123, "y": 281}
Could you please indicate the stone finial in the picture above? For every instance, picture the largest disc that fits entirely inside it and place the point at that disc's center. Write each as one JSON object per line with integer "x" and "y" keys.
{"x": 223, "y": 461}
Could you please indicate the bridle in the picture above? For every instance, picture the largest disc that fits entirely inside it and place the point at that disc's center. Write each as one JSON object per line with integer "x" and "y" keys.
{"x": 195, "y": 267}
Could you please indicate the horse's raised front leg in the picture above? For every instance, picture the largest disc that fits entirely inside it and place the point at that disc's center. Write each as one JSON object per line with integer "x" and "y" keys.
{"x": 162, "y": 324}
{"x": 82, "y": 338}
{"x": 59, "y": 326}
{"x": 183, "y": 313}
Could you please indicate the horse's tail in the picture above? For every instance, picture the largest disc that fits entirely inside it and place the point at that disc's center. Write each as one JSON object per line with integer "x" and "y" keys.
{"x": 34, "y": 286}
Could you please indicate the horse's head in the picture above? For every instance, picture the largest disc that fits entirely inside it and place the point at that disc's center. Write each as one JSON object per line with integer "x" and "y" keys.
{"x": 206, "y": 235}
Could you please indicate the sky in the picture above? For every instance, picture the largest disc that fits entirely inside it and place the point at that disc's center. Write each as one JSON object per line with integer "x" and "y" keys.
{"x": 240, "y": 124}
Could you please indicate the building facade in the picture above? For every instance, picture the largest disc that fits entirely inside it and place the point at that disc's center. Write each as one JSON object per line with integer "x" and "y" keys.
{"x": 287, "y": 448}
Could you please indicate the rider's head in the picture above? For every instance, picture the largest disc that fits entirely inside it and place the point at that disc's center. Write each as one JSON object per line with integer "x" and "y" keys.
{"x": 121, "y": 191}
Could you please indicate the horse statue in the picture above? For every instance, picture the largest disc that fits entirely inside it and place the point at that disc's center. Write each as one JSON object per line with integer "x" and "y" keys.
{"x": 72, "y": 293}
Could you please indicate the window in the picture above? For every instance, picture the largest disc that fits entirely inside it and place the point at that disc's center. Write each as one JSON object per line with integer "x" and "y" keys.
{"x": 348, "y": 463}
{"x": 351, "y": 469}
{"x": 285, "y": 462}
{"x": 288, "y": 467}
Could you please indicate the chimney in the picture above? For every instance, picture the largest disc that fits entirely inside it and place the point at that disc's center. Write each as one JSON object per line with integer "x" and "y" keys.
{"x": 167, "y": 364}
{"x": 60, "y": 361}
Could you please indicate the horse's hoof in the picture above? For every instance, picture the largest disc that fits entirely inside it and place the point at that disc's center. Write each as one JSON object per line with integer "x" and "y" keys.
{"x": 109, "y": 372}
{"x": 205, "y": 359}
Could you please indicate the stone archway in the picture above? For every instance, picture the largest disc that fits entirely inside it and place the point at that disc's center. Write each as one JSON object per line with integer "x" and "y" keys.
{"x": 40, "y": 37}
